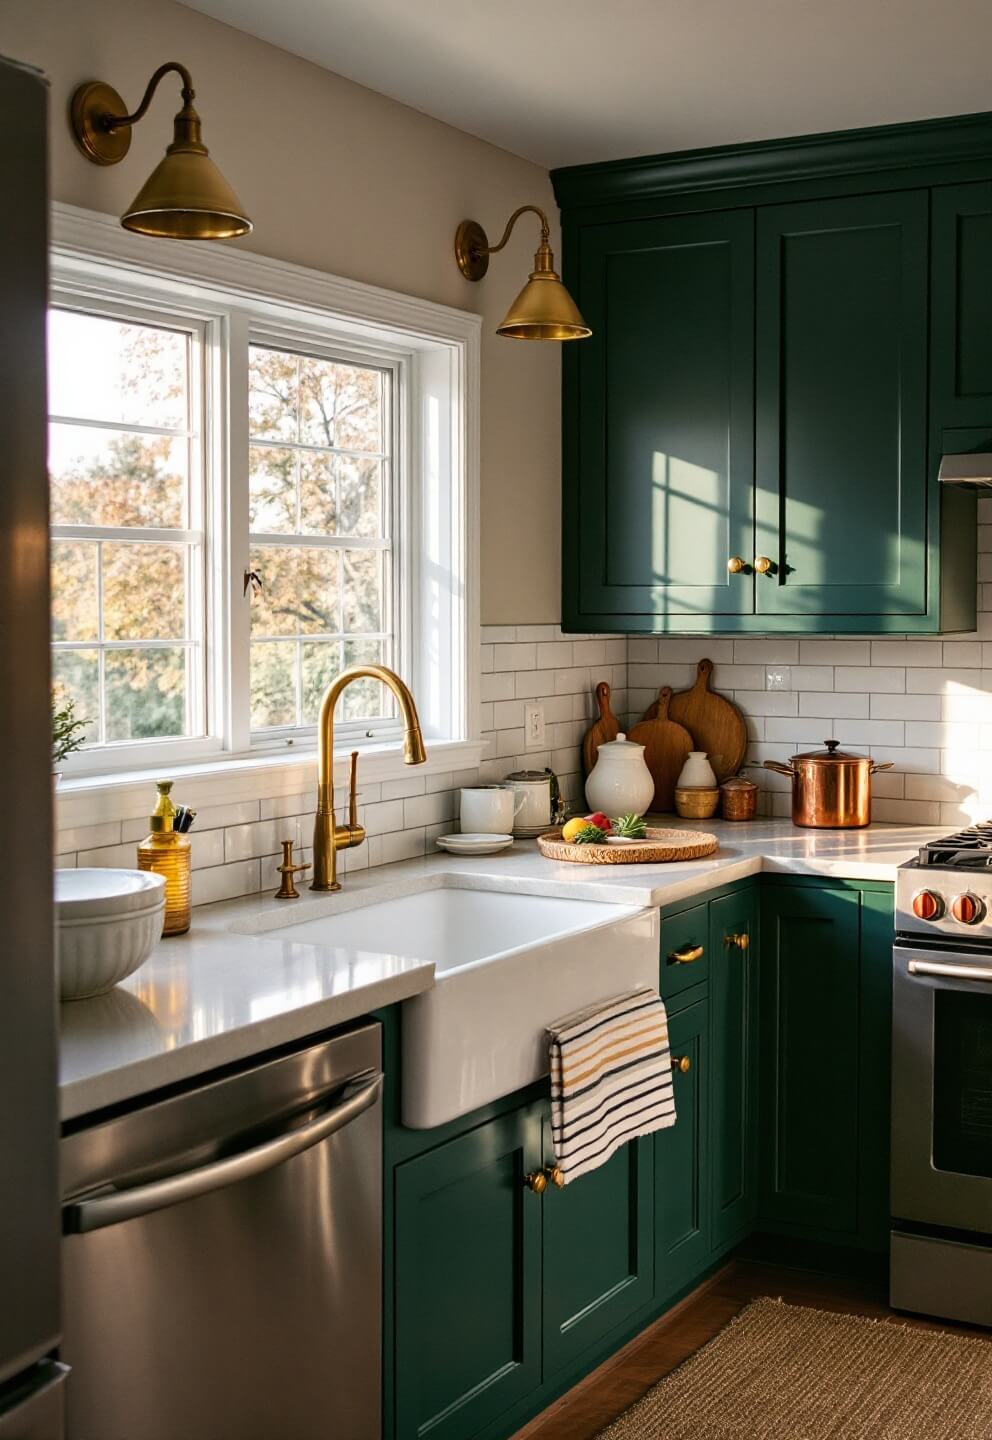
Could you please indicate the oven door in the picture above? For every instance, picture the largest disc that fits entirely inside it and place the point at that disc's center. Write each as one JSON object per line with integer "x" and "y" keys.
{"x": 942, "y": 1087}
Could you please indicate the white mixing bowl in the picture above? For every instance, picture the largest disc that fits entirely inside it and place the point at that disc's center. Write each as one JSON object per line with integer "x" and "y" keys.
{"x": 108, "y": 922}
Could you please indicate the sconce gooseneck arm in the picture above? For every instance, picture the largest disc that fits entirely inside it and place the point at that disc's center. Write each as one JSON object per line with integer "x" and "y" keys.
{"x": 533, "y": 209}
{"x": 117, "y": 122}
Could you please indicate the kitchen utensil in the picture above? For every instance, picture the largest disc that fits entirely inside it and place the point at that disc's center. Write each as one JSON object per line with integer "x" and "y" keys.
{"x": 738, "y": 799}
{"x": 479, "y": 844}
{"x": 108, "y": 922}
{"x": 831, "y": 788}
{"x": 660, "y": 847}
{"x": 607, "y": 727}
{"x": 666, "y": 745}
{"x": 620, "y": 782}
{"x": 715, "y": 723}
{"x": 538, "y": 800}
{"x": 489, "y": 809}
{"x": 696, "y": 802}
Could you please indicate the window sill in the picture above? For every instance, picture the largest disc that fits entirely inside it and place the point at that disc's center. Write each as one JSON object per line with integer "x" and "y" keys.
{"x": 92, "y": 799}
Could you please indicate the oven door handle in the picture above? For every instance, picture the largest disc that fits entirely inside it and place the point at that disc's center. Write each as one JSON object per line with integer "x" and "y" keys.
{"x": 952, "y": 972}
{"x": 114, "y": 1205}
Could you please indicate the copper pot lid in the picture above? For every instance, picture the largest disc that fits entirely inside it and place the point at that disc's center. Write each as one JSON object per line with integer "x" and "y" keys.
{"x": 832, "y": 756}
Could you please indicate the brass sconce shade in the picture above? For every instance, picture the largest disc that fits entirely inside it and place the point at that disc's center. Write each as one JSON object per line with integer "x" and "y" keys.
{"x": 185, "y": 197}
{"x": 543, "y": 310}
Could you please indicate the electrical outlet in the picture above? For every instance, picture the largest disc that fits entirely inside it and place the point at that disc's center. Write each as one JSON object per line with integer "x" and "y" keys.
{"x": 778, "y": 677}
{"x": 533, "y": 727}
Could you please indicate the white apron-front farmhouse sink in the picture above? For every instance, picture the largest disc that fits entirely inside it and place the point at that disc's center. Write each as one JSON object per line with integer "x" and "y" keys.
{"x": 506, "y": 965}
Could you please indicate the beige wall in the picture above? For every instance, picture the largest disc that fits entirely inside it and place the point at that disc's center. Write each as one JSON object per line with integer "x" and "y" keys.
{"x": 342, "y": 179}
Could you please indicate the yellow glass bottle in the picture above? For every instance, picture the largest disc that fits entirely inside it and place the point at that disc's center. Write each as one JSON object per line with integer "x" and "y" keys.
{"x": 168, "y": 853}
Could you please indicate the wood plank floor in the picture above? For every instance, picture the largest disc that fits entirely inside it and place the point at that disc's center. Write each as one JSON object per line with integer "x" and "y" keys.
{"x": 608, "y": 1391}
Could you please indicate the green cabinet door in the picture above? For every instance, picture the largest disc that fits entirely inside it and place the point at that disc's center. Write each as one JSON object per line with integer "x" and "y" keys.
{"x": 468, "y": 1279}
{"x": 961, "y": 305}
{"x": 841, "y": 414}
{"x": 809, "y": 1055}
{"x": 681, "y": 1158}
{"x": 658, "y": 417}
{"x": 733, "y": 948}
{"x": 598, "y": 1251}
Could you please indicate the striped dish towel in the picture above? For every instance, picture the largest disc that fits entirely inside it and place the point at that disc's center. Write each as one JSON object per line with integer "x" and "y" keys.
{"x": 611, "y": 1079}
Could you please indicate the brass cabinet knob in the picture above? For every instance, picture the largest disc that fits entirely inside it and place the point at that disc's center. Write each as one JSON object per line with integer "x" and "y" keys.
{"x": 762, "y": 564}
{"x": 735, "y": 565}
{"x": 686, "y": 955}
{"x": 537, "y": 1181}
{"x": 554, "y": 1174}
{"x": 683, "y": 1064}
{"x": 737, "y": 942}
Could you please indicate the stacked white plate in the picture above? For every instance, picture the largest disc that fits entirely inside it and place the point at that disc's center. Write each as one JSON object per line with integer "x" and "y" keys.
{"x": 108, "y": 922}
{"x": 472, "y": 844}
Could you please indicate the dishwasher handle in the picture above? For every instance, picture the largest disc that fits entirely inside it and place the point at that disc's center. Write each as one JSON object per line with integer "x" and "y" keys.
{"x": 115, "y": 1206}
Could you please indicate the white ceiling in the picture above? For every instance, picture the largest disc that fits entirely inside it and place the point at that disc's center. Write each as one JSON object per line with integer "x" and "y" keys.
{"x": 562, "y": 82}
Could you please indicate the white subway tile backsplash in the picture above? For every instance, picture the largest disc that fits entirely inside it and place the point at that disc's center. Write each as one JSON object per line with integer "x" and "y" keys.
{"x": 870, "y": 678}
{"x": 830, "y": 703}
{"x": 835, "y": 652}
{"x": 906, "y": 652}
{"x": 904, "y": 707}
{"x": 927, "y": 681}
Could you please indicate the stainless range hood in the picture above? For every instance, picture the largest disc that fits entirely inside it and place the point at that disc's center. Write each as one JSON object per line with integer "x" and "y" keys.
{"x": 972, "y": 470}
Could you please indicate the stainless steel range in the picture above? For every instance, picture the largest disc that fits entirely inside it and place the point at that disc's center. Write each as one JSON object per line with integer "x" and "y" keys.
{"x": 941, "y": 1248}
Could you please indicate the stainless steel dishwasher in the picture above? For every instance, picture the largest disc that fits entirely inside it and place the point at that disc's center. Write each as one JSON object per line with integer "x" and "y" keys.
{"x": 222, "y": 1256}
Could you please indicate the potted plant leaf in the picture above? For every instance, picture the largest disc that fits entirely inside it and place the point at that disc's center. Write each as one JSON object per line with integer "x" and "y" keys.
{"x": 67, "y": 730}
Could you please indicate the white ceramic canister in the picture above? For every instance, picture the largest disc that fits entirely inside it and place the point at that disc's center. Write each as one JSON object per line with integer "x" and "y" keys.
{"x": 697, "y": 772}
{"x": 620, "y": 782}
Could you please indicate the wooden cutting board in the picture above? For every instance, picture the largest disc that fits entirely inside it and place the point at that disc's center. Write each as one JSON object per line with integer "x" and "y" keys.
{"x": 666, "y": 744}
{"x": 606, "y": 728}
{"x": 716, "y": 724}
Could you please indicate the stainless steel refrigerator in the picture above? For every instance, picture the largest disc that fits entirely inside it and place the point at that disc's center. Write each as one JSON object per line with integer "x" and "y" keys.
{"x": 30, "y": 1379}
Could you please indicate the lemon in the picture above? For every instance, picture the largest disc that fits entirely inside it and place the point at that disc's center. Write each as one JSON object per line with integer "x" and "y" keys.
{"x": 573, "y": 828}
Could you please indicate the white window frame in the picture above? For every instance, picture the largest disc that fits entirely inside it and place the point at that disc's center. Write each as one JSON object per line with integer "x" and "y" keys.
{"x": 240, "y": 297}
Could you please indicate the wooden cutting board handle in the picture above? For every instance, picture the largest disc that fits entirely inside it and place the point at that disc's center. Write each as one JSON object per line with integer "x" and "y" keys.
{"x": 606, "y": 728}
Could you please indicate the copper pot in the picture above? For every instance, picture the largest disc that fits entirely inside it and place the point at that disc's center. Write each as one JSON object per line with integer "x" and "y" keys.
{"x": 831, "y": 790}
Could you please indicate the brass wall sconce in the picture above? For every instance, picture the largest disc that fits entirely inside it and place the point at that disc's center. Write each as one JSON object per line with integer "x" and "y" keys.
{"x": 185, "y": 197}
{"x": 543, "y": 310}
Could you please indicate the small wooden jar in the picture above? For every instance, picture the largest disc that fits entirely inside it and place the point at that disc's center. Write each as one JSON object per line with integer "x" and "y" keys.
{"x": 739, "y": 799}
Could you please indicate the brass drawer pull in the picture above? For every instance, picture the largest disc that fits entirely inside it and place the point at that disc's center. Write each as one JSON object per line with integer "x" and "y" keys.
{"x": 737, "y": 942}
{"x": 763, "y": 565}
{"x": 736, "y": 566}
{"x": 686, "y": 955}
{"x": 537, "y": 1181}
{"x": 553, "y": 1172}
{"x": 683, "y": 1064}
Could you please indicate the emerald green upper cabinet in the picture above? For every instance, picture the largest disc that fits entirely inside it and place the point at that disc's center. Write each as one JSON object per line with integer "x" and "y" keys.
{"x": 664, "y": 419}
{"x": 784, "y": 337}
{"x": 962, "y": 305}
{"x": 841, "y": 404}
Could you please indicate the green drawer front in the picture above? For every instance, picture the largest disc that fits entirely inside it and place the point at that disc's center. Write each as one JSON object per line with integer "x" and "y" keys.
{"x": 684, "y": 934}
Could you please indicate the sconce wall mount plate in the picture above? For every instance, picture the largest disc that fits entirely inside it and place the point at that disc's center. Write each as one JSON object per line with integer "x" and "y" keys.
{"x": 91, "y": 109}
{"x": 472, "y": 250}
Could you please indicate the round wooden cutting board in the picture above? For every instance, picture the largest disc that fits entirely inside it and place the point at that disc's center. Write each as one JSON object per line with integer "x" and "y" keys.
{"x": 715, "y": 724}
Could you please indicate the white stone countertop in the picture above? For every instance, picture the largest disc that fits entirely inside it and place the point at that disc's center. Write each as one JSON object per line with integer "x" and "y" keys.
{"x": 227, "y": 990}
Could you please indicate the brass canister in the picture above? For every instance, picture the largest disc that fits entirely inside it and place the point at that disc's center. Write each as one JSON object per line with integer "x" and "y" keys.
{"x": 831, "y": 789}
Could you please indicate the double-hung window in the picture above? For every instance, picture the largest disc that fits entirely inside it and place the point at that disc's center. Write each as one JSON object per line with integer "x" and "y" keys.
{"x": 127, "y": 508}
{"x": 252, "y": 489}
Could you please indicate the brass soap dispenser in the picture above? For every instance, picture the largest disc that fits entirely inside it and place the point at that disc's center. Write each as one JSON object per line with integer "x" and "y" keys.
{"x": 168, "y": 853}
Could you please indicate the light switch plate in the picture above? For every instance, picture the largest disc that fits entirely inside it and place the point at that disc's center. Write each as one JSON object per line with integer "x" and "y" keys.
{"x": 534, "y": 727}
{"x": 778, "y": 677}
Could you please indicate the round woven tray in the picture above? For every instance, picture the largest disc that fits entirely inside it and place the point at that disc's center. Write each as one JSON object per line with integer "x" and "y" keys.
{"x": 661, "y": 846}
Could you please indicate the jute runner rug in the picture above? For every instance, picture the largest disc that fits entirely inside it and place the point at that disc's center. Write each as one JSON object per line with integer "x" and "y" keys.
{"x": 786, "y": 1372}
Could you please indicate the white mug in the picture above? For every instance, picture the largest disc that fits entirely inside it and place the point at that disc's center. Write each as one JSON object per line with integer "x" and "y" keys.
{"x": 488, "y": 809}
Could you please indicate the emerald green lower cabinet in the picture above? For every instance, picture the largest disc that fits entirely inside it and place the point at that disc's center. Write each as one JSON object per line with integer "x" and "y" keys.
{"x": 598, "y": 1251}
{"x": 682, "y": 1200}
{"x": 779, "y": 1015}
{"x": 733, "y": 950}
{"x": 824, "y": 1060}
{"x": 468, "y": 1279}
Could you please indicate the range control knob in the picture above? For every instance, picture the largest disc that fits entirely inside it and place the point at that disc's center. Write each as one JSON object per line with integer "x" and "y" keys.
{"x": 967, "y": 908}
{"x": 927, "y": 905}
